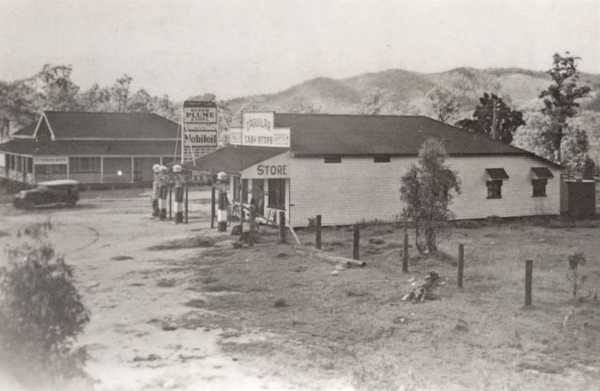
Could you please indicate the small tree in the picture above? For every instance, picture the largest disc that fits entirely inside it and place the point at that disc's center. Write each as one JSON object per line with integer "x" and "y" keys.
{"x": 427, "y": 190}
{"x": 41, "y": 313}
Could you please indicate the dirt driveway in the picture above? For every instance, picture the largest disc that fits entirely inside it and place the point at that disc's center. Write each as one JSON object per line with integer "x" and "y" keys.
{"x": 142, "y": 335}
{"x": 174, "y": 307}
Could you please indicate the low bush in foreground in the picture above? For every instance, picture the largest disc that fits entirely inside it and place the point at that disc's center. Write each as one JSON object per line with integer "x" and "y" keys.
{"x": 41, "y": 314}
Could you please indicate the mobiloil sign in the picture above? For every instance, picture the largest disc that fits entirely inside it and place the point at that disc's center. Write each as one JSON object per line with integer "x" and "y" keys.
{"x": 199, "y": 136}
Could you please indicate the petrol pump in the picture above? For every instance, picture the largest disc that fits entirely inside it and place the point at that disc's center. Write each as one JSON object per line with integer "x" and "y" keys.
{"x": 223, "y": 204}
{"x": 178, "y": 183}
{"x": 155, "y": 194}
{"x": 163, "y": 190}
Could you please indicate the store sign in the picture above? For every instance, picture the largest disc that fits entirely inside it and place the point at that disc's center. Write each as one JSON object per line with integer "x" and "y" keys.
{"x": 272, "y": 170}
{"x": 50, "y": 160}
{"x": 258, "y": 130}
{"x": 199, "y": 128}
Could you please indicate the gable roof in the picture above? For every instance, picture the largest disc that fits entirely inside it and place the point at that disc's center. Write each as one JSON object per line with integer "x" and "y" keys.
{"x": 103, "y": 125}
{"x": 350, "y": 134}
{"x": 233, "y": 159}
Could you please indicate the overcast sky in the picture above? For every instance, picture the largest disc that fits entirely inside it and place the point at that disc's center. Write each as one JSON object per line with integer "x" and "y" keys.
{"x": 241, "y": 47}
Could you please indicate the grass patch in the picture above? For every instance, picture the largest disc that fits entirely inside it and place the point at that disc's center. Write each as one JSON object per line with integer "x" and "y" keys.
{"x": 219, "y": 288}
{"x": 121, "y": 258}
{"x": 166, "y": 282}
{"x": 280, "y": 303}
{"x": 195, "y": 242}
{"x": 353, "y": 293}
{"x": 196, "y": 303}
{"x": 209, "y": 280}
{"x": 377, "y": 241}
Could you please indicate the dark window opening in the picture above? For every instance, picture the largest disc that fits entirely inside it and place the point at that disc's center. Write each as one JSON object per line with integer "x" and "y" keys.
{"x": 84, "y": 164}
{"x": 333, "y": 159}
{"x": 494, "y": 189}
{"x": 381, "y": 159}
{"x": 539, "y": 187}
{"x": 244, "y": 190}
{"x": 30, "y": 165}
{"x": 277, "y": 194}
{"x": 236, "y": 188}
{"x": 258, "y": 196}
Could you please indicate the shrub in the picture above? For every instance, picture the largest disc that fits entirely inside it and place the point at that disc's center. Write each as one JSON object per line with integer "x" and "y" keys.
{"x": 41, "y": 314}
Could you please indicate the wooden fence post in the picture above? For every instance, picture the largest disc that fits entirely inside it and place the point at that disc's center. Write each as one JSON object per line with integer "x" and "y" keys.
{"x": 356, "y": 242}
{"x": 282, "y": 238}
{"x": 318, "y": 232}
{"x": 461, "y": 264}
{"x": 405, "y": 255}
{"x": 528, "y": 281}
{"x": 212, "y": 206}
{"x": 170, "y": 202}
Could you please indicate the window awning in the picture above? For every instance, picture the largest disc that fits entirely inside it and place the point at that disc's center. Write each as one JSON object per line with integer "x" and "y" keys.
{"x": 541, "y": 173}
{"x": 496, "y": 174}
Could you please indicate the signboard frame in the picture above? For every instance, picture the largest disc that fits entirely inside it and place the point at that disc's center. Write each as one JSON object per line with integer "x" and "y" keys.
{"x": 199, "y": 128}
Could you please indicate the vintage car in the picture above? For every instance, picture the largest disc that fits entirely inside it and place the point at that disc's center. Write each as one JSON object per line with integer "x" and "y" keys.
{"x": 58, "y": 192}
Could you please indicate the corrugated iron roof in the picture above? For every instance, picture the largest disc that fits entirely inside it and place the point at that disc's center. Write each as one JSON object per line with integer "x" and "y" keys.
{"x": 80, "y": 125}
{"x": 349, "y": 134}
{"x": 87, "y": 148}
{"x": 233, "y": 159}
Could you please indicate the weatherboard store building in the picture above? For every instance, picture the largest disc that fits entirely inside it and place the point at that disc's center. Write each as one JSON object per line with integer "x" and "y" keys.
{"x": 347, "y": 168}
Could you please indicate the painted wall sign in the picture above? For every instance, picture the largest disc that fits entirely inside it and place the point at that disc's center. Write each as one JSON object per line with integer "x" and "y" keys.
{"x": 50, "y": 160}
{"x": 269, "y": 170}
{"x": 200, "y": 121}
{"x": 258, "y": 130}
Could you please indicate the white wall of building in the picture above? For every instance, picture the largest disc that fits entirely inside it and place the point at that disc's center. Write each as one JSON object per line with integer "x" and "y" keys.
{"x": 358, "y": 189}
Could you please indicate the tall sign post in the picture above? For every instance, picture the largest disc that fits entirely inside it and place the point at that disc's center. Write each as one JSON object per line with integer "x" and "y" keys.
{"x": 199, "y": 129}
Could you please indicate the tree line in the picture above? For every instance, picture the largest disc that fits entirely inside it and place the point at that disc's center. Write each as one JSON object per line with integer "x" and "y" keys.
{"x": 53, "y": 89}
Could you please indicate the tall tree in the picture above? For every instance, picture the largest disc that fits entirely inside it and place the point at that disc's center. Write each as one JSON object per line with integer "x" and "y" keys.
{"x": 96, "y": 98}
{"x": 574, "y": 150}
{"x": 59, "y": 92}
{"x": 560, "y": 98}
{"x": 533, "y": 136}
{"x": 17, "y": 106}
{"x": 120, "y": 92}
{"x": 427, "y": 190}
{"x": 141, "y": 102}
{"x": 494, "y": 118}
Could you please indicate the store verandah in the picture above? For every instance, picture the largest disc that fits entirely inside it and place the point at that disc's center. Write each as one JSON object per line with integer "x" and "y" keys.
{"x": 249, "y": 186}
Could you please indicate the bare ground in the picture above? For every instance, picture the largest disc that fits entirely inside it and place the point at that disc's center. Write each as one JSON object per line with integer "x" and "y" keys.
{"x": 174, "y": 307}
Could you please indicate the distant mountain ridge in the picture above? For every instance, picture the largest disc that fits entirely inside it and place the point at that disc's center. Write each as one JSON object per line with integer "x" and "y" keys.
{"x": 399, "y": 91}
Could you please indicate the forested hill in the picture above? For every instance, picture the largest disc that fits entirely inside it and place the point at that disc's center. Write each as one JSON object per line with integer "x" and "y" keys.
{"x": 397, "y": 91}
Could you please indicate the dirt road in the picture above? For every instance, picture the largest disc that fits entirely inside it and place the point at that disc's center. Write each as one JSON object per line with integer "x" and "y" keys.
{"x": 142, "y": 336}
